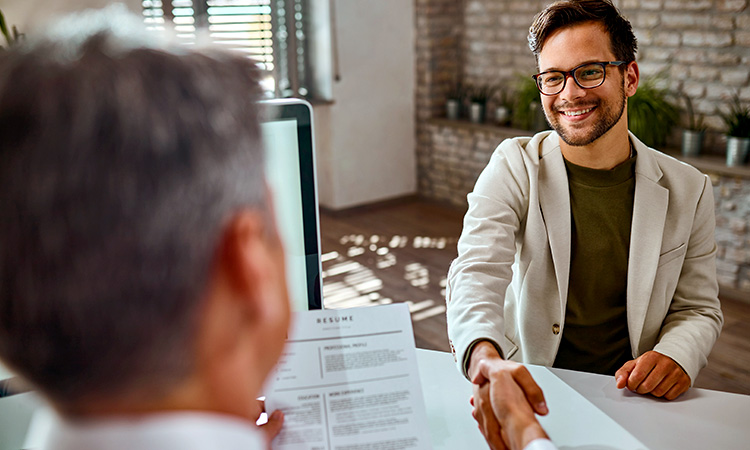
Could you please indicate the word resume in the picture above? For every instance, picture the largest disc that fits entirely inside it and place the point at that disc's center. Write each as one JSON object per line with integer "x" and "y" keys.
{"x": 348, "y": 380}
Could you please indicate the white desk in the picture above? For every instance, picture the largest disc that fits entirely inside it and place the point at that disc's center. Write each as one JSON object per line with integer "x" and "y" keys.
{"x": 700, "y": 419}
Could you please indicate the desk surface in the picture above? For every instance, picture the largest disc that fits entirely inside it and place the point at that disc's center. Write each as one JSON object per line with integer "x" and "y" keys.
{"x": 700, "y": 419}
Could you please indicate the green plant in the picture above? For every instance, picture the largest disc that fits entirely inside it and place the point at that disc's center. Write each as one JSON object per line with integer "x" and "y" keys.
{"x": 651, "y": 116}
{"x": 695, "y": 123}
{"x": 481, "y": 94}
{"x": 10, "y": 38}
{"x": 524, "y": 114}
{"x": 456, "y": 91}
{"x": 506, "y": 98}
{"x": 737, "y": 119}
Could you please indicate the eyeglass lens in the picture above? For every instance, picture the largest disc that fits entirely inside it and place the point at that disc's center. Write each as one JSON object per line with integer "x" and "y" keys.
{"x": 588, "y": 76}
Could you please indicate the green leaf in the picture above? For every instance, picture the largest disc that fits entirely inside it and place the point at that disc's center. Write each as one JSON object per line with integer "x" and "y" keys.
{"x": 4, "y": 29}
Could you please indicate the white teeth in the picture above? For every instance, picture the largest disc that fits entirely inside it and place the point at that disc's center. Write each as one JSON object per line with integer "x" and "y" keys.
{"x": 576, "y": 113}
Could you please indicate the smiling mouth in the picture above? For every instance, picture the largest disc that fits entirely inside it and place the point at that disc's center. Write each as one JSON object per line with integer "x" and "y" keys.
{"x": 579, "y": 112}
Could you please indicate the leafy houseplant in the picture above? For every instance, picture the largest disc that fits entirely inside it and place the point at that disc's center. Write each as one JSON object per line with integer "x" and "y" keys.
{"x": 504, "y": 109}
{"x": 738, "y": 131}
{"x": 692, "y": 136}
{"x": 650, "y": 115}
{"x": 528, "y": 114}
{"x": 478, "y": 97}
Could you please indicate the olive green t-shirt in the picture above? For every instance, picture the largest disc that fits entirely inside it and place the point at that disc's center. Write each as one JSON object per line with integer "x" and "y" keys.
{"x": 595, "y": 333}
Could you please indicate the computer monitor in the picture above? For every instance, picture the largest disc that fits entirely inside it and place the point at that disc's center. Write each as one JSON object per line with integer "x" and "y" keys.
{"x": 290, "y": 170}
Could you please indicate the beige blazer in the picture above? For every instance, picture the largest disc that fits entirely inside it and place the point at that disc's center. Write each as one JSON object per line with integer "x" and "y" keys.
{"x": 509, "y": 283}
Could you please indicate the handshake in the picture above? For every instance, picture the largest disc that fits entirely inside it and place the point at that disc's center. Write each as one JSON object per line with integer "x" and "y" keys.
{"x": 506, "y": 398}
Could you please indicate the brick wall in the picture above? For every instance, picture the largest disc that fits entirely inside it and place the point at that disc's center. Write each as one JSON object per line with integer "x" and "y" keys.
{"x": 703, "y": 46}
{"x": 732, "y": 197}
{"x": 457, "y": 154}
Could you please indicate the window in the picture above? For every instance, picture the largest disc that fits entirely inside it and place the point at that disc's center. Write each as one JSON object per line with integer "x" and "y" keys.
{"x": 273, "y": 32}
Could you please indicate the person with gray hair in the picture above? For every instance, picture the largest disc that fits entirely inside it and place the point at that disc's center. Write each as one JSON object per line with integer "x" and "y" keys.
{"x": 142, "y": 283}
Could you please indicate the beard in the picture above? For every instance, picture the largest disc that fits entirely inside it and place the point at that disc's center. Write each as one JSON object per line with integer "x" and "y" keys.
{"x": 610, "y": 115}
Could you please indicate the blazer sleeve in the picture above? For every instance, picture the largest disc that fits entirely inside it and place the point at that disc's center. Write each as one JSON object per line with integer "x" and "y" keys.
{"x": 694, "y": 319}
{"x": 479, "y": 277}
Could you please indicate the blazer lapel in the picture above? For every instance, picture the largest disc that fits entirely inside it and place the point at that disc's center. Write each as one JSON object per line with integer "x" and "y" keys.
{"x": 649, "y": 215}
{"x": 554, "y": 201}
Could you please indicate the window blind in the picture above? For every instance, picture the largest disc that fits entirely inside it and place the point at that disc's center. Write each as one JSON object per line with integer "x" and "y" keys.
{"x": 272, "y": 32}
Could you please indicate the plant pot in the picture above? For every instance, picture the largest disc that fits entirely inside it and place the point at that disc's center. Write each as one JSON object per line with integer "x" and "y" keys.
{"x": 502, "y": 115}
{"x": 476, "y": 112}
{"x": 737, "y": 150}
{"x": 692, "y": 142}
{"x": 452, "y": 108}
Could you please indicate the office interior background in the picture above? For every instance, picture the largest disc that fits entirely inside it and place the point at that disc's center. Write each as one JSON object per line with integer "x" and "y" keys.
{"x": 394, "y": 171}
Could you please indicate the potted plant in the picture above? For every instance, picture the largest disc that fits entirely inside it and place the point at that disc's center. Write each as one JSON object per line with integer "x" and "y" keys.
{"x": 692, "y": 136}
{"x": 651, "y": 116}
{"x": 738, "y": 131}
{"x": 527, "y": 112}
{"x": 478, "y": 97}
{"x": 504, "y": 109}
{"x": 454, "y": 99}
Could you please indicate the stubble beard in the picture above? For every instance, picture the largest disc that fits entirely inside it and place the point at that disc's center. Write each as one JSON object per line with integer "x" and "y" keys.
{"x": 609, "y": 119}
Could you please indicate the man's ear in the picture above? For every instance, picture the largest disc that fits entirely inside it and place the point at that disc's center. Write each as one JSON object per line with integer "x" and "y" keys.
{"x": 246, "y": 256}
{"x": 632, "y": 75}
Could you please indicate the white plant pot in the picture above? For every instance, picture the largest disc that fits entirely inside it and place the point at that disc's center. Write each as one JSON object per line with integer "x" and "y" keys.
{"x": 476, "y": 112}
{"x": 502, "y": 115}
{"x": 452, "y": 108}
{"x": 737, "y": 150}
{"x": 692, "y": 142}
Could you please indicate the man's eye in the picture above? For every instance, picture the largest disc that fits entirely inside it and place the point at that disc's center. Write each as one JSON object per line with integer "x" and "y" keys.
{"x": 552, "y": 79}
{"x": 590, "y": 74}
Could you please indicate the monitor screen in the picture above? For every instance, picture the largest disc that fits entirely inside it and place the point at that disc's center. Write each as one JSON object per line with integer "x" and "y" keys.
{"x": 290, "y": 170}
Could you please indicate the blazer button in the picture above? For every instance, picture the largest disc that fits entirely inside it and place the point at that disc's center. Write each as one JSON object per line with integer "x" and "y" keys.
{"x": 556, "y": 329}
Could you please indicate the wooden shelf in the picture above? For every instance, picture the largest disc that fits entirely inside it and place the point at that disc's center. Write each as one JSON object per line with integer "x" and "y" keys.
{"x": 464, "y": 124}
{"x": 705, "y": 163}
{"x": 712, "y": 164}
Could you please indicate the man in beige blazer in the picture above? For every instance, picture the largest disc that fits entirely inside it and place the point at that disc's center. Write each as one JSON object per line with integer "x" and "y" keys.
{"x": 528, "y": 266}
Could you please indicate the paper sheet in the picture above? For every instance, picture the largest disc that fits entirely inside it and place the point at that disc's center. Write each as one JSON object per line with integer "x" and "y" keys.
{"x": 574, "y": 422}
{"x": 348, "y": 380}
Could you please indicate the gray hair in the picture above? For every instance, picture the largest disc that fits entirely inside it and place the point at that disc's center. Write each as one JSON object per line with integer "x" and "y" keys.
{"x": 119, "y": 168}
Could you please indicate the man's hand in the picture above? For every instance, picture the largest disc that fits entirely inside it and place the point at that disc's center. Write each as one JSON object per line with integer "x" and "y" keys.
{"x": 505, "y": 400}
{"x": 480, "y": 400}
{"x": 655, "y": 374}
{"x": 273, "y": 425}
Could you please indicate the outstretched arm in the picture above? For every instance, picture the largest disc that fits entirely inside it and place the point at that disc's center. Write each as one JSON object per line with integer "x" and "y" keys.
{"x": 505, "y": 400}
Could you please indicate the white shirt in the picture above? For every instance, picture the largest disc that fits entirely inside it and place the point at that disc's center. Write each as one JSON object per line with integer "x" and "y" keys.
{"x": 167, "y": 431}
{"x": 540, "y": 444}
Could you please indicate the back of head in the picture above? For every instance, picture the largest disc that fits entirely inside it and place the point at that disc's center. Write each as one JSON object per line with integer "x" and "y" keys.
{"x": 566, "y": 13}
{"x": 118, "y": 167}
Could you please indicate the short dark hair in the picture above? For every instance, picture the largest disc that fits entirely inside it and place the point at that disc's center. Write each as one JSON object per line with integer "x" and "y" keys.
{"x": 565, "y": 13}
{"x": 119, "y": 168}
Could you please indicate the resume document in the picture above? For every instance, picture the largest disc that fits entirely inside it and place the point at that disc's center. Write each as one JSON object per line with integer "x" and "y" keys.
{"x": 348, "y": 380}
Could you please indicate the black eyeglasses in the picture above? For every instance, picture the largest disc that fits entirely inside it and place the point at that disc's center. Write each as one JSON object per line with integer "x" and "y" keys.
{"x": 587, "y": 76}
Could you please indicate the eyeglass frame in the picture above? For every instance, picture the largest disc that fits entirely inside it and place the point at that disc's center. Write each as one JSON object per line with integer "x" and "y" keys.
{"x": 572, "y": 75}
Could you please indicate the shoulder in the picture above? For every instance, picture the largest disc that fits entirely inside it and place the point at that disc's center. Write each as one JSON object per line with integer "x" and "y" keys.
{"x": 514, "y": 169}
{"x": 530, "y": 147}
{"x": 522, "y": 155}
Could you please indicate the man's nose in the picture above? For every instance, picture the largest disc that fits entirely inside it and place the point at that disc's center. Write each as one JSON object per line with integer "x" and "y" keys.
{"x": 571, "y": 90}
